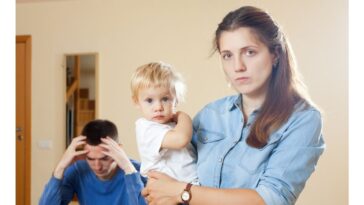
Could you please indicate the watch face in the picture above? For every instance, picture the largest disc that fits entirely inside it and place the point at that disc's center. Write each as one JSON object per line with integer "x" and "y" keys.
{"x": 185, "y": 196}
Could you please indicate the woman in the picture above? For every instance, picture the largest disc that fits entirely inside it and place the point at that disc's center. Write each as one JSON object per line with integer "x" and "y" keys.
{"x": 260, "y": 146}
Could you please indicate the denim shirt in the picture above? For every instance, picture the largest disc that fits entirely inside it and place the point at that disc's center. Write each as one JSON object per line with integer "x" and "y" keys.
{"x": 278, "y": 171}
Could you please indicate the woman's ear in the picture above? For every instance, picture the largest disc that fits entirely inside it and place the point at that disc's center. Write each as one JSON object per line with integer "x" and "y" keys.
{"x": 275, "y": 57}
{"x": 275, "y": 62}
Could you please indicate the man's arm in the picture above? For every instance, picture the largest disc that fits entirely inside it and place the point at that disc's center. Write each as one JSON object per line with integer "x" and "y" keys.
{"x": 59, "y": 190}
{"x": 71, "y": 155}
{"x": 135, "y": 185}
{"x": 180, "y": 135}
{"x": 133, "y": 179}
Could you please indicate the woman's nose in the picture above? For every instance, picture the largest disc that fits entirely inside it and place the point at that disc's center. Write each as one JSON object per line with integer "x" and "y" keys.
{"x": 239, "y": 65}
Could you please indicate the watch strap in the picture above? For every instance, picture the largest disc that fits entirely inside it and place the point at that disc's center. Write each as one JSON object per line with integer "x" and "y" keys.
{"x": 187, "y": 189}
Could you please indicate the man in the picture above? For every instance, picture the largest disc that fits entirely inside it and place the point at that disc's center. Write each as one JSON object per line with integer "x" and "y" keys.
{"x": 96, "y": 169}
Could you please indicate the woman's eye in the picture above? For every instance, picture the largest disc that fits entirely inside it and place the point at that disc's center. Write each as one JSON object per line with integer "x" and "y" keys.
{"x": 226, "y": 56}
{"x": 250, "y": 52}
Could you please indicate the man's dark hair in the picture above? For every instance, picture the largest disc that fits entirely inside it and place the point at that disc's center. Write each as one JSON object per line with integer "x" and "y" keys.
{"x": 97, "y": 129}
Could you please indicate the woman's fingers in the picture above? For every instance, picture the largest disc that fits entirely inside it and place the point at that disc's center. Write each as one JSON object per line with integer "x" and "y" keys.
{"x": 145, "y": 192}
{"x": 157, "y": 175}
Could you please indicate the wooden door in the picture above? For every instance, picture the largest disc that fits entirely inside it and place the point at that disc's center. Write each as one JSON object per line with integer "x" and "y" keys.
{"x": 23, "y": 119}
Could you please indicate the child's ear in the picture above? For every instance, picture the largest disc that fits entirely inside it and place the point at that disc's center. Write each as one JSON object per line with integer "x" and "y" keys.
{"x": 135, "y": 102}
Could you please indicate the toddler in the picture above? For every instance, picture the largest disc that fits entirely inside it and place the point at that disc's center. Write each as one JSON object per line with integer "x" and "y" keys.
{"x": 163, "y": 135}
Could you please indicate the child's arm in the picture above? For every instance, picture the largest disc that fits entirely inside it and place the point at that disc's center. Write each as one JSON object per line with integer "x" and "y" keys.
{"x": 179, "y": 136}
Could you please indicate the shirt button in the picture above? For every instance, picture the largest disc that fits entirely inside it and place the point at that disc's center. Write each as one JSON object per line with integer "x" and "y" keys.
{"x": 220, "y": 160}
{"x": 205, "y": 139}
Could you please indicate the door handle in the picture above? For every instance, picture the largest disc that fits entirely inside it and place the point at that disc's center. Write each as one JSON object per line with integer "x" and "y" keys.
{"x": 20, "y": 137}
{"x": 19, "y": 129}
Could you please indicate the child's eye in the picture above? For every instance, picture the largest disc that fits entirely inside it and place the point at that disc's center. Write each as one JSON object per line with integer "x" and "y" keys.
{"x": 165, "y": 99}
{"x": 149, "y": 100}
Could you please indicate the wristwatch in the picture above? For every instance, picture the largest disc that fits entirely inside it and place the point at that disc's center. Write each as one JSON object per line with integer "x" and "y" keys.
{"x": 186, "y": 194}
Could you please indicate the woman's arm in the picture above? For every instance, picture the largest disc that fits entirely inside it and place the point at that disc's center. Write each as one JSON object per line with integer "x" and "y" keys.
{"x": 165, "y": 190}
{"x": 212, "y": 196}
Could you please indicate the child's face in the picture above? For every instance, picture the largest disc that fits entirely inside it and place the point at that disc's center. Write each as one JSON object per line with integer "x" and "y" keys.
{"x": 157, "y": 104}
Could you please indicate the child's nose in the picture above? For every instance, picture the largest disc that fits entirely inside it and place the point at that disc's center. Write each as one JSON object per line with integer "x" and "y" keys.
{"x": 158, "y": 107}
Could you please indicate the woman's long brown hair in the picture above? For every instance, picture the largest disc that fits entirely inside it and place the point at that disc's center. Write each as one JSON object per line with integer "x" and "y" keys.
{"x": 285, "y": 90}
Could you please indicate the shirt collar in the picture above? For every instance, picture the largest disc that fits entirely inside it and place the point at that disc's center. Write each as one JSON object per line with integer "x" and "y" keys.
{"x": 237, "y": 101}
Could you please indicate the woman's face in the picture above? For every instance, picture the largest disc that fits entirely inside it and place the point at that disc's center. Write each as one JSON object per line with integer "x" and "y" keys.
{"x": 246, "y": 61}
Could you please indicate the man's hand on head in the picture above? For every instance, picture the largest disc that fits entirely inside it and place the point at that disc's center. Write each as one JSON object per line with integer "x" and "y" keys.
{"x": 115, "y": 151}
{"x": 70, "y": 156}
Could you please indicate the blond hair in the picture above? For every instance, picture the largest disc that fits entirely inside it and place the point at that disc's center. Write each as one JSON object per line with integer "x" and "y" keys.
{"x": 157, "y": 75}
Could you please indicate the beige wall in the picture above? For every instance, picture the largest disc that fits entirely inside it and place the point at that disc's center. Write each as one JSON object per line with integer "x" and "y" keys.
{"x": 127, "y": 34}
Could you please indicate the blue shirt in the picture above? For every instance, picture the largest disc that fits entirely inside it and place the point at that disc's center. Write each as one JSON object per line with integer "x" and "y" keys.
{"x": 277, "y": 172}
{"x": 79, "y": 179}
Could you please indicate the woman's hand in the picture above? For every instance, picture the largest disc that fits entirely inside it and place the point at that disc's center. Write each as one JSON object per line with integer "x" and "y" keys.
{"x": 162, "y": 189}
{"x": 164, "y": 201}
{"x": 70, "y": 156}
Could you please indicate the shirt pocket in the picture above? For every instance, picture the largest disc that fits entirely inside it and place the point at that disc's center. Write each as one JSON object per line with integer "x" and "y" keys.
{"x": 208, "y": 144}
{"x": 206, "y": 137}
{"x": 254, "y": 160}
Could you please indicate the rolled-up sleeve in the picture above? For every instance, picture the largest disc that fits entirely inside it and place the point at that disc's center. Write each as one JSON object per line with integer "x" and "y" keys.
{"x": 293, "y": 160}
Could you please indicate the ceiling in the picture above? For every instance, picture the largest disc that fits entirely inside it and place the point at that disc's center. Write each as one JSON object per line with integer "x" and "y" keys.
{"x": 32, "y": 1}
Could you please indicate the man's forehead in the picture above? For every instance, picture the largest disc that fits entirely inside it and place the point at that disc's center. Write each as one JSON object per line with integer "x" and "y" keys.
{"x": 94, "y": 151}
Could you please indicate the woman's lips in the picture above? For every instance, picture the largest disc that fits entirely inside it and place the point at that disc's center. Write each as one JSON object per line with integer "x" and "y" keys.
{"x": 242, "y": 79}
